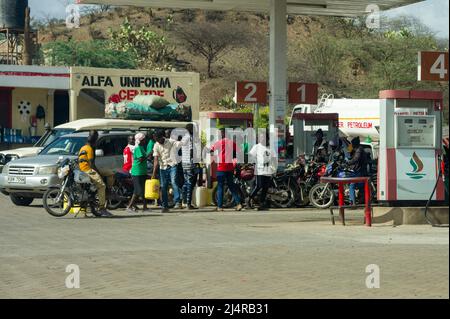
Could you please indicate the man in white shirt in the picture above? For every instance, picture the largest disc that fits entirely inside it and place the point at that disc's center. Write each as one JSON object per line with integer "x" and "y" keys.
{"x": 165, "y": 157}
{"x": 264, "y": 160}
{"x": 190, "y": 169}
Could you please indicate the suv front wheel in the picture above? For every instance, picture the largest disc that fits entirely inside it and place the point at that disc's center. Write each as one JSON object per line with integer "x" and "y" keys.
{"x": 20, "y": 200}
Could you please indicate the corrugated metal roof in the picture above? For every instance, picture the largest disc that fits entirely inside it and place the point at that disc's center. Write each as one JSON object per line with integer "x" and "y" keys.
{"x": 301, "y": 7}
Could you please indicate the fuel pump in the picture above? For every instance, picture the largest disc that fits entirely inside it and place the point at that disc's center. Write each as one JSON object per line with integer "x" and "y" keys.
{"x": 410, "y": 147}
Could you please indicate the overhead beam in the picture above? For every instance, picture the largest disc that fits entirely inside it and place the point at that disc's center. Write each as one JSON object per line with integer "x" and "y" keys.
{"x": 346, "y": 8}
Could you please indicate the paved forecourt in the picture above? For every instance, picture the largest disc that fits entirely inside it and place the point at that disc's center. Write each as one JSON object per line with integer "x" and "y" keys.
{"x": 280, "y": 254}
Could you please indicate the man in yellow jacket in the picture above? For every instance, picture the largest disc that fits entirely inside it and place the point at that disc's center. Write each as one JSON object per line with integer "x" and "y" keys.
{"x": 86, "y": 159}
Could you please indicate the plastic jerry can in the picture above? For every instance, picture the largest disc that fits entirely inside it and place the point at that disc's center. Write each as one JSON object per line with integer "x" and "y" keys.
{"x": 152, "y": 187}
{"x": 201, "y": 197}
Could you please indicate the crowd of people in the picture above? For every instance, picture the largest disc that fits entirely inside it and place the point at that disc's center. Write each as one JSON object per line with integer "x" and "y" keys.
{"x": 157, "y": 155}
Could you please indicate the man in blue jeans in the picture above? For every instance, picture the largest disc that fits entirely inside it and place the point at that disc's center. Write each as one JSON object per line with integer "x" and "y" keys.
{"x": 226, "y": 149}
{"x": 165, "y": 157}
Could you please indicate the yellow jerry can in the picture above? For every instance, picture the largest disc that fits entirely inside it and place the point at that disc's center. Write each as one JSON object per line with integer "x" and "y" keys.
{"x": 152, "y": 187}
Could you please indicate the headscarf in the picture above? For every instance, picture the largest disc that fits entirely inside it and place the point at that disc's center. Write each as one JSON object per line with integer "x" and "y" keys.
{"x": 138, "y": 138}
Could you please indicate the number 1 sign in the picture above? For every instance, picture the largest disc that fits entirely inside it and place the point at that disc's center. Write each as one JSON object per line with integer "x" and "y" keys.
{"x": 251, "y": 92}
{"x": 303, "y": 93}
{"x": 433, "y": 66}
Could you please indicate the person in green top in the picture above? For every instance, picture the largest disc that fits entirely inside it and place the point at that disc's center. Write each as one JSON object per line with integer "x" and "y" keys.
{"x": 150, "y": 147}
{"x": 138, "y": 173}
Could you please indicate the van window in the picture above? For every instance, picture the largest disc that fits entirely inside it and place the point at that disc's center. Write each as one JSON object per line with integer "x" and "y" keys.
{"x": 52, "y": 135}
{"x": 64, "y": 146}
{"x": 112, "y": 145}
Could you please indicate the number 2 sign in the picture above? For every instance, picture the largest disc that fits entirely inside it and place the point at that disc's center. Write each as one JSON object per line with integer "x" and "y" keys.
{"x": 433, "y": 66}
{"x": 251, "y": 92}
{"x": 303, "y": 93}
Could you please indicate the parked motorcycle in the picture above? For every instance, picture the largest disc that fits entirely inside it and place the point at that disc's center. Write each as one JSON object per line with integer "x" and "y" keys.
{"x": 307, "y": 174}
{"x": 121, "y": 192}
{"x": 76, "y": 190}
{"x": 281, "y": 193}
{"x": 323, "y": 195}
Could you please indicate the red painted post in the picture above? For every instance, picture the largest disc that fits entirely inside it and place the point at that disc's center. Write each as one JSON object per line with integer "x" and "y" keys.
{"x": 341, "y": 202}
{"x": 367, "y": 196}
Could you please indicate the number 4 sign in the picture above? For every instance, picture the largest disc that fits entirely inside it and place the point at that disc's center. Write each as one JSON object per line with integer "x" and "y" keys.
{"x": 433, "y": 66}
{"x": 251, "y": 92}
{"x": 303, "y": 93}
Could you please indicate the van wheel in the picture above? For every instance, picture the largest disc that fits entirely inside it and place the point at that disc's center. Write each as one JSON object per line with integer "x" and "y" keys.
{"x": 20, "y": 200}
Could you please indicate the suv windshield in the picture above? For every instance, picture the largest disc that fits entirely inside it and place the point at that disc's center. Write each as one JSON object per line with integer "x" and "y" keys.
{"x": 52, "y": 135}
{"x": 64, "y": 146}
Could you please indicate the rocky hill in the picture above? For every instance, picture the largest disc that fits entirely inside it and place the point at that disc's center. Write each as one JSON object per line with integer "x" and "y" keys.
{"x": 340, "y": 54}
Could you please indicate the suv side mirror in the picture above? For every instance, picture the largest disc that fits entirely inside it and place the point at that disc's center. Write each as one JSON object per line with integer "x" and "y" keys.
{"x": 99, "y": 153}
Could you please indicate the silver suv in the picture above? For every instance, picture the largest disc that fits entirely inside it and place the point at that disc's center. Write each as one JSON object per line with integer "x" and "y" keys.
{"x": 28, "y": 178}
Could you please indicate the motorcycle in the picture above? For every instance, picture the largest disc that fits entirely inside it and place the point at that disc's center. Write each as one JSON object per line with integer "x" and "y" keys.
{"x": 76, "y": 190}
{"x": 121, "y": 191}
{"x": 307, "y": 174}
{"x": 281, "y": 193}
{"x": 323, "y": 195}
{"x": 244, "y": 178}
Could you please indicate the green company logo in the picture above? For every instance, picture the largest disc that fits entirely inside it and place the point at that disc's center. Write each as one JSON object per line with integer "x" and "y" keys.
{"x": 417, "y": 167}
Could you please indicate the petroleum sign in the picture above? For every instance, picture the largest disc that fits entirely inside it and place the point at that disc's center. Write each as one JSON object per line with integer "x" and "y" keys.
{"x": 433, "y": 66}
{"x": 303, "y": 93}
{"x": 251, "y": 92}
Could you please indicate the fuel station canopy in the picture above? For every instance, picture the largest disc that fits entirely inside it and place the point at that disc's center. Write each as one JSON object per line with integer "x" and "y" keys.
{"x": 300, "y": 7}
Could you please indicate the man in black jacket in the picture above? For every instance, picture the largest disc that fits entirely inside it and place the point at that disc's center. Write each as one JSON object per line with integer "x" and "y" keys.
{"x": 358, "y": 164}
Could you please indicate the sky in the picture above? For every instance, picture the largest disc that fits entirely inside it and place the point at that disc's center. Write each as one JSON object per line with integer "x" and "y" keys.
{"x": 434, "y": 13}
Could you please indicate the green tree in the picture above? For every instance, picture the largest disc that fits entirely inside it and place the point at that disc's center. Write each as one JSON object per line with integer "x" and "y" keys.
{"x": 149, "y": 49}
{"x": 392, "y": 58}
{"x": 323, "y": 55}
{"x": 96, "y": 53}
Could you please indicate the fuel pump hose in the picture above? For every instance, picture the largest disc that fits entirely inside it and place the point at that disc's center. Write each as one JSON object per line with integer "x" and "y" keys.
{"x": 429, "y": 203}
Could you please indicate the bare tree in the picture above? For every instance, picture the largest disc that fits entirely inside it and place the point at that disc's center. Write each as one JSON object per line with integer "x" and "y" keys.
{"x": 212, "y": 41}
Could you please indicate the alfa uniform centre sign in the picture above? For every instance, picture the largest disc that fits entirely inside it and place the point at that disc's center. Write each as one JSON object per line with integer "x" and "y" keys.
{"x": 130, "y": 86}
{"x": 124, "y": 85}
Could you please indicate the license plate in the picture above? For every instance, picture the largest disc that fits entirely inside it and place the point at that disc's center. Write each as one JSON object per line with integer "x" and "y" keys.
{"x": 16, "y": 180}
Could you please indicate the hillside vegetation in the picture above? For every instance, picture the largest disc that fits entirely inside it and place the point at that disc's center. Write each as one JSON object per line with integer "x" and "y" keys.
{"x": 342, "y": 55}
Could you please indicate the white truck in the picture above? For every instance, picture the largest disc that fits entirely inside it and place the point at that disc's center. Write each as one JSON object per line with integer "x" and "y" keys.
{"x": 357, "y": 118}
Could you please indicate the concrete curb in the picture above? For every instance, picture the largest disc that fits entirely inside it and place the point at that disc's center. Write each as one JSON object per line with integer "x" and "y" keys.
{"x": 410, "y": 215}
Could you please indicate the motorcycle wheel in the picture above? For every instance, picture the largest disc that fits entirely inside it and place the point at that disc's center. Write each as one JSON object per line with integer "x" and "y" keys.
{"x": 228, "y": 201}
{"x": 57, "y": 208}
{"x": 287, "y": 198}
{"x": 321, "y": 201}
{"x": 302, "y": 198}
{"x": 115, "y": 192}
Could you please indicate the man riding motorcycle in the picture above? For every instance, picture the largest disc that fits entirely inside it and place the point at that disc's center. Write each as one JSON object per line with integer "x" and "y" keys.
{"x": 86, "y": 158}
